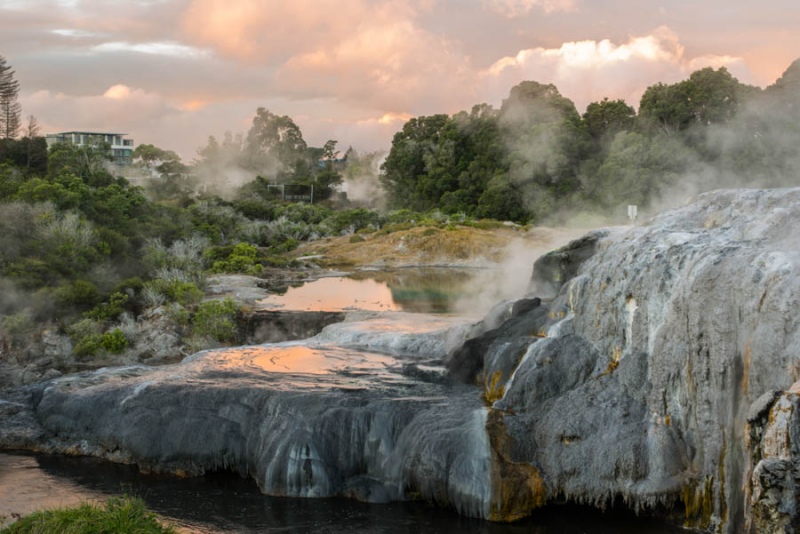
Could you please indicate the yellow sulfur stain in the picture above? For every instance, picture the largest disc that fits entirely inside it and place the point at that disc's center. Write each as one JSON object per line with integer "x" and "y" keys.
{"x": 616, "y": 356}
{"x": 493, "y": 390}
{"x": 698, "y": 504}
{"x": 517, "y": 487}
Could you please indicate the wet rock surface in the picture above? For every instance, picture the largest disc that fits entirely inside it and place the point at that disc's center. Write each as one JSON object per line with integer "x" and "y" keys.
{"x": 657, "y": 374}
{"x": 653, "y": 354}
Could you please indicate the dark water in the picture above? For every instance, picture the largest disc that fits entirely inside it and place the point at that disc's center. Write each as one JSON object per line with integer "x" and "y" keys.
{"x": 227, "y": 503}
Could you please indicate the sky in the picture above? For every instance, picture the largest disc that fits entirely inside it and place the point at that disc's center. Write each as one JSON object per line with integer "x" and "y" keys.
{"x": 173, "y": 72}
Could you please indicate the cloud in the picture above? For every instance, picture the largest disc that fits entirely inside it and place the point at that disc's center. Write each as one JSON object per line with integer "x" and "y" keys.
{"x": 172, "y": 72}
{"x": 373, "y": 53}
{"x": 266, "y": 32}
{"x": 165, "y": 48}
{"x": 586, "y": 71}
{"x": 119, "y": 108}
{"x": 516, "y": 8}
{"x": 394, "y": 66}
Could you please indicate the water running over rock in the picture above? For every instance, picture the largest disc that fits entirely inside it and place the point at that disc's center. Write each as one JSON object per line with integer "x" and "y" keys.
{"x": 658, "y": 373}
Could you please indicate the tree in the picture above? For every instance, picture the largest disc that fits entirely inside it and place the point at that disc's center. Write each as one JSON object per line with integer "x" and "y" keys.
{"x": 607, "y": 118}
{"x": 405, "y": 166}
{"x": 88, "y": 161}
{"x": 10, "y": 108}
{"x": 547, "y": 143}
{"x": 32, "y": 148}
{"x": 637, "y": 169}
{"x": 274, "y": 143}
{"x": 707, "y": 98}
{"x": 158, "y": 160}
{"x": 789, "y": 82}
{"x": 328, "y": 178}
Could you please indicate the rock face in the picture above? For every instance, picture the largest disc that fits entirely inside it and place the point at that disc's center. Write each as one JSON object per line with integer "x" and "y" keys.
{"x": 658, "y": 371}
{"x": 639, "y": 384}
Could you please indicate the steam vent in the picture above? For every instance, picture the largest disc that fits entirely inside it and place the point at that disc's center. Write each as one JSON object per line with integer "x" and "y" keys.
{"x": 654, "y": 367}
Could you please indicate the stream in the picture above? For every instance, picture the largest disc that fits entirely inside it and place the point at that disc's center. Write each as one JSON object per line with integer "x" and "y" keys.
{"x": 227, "y": 503}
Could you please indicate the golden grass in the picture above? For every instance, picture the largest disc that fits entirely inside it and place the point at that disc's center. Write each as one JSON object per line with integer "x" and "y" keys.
{"x": 419, "y": 246}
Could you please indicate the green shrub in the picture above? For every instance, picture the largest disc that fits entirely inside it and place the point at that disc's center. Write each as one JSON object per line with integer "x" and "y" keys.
{"x": 17, "y": 324}
{"x": 484, "y": 224}
{"x": 356, "y": 239}
{"x": 86, "y": 337}
{"x": 88, "y": 346}
{"x": 80, "y": 294}
{"x": 395, "y": 227}
{"x": 178, "y": 314}
{"x": 117, "y": 515}
{"x": 403, "y": 216}
{"x": 350, "y": 221}
{"x": 114, "y": 342}
{"x": 216, "y": 319}
{"x": 217, "y": 253}
{"x": 242, "y": 259}
{"x": 184, "y": 293}
{"x": 287, "y": 246}
{"x": 110, "y": 309}
{"x": 282, "y": 262}
{"x": 430, "y": 232}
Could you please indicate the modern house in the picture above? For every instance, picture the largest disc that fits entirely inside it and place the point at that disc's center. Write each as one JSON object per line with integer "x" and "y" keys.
{"x": 121, "y": 148}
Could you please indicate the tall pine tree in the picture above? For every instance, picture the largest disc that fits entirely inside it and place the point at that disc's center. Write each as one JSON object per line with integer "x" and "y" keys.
{"x": 10, "y": 108}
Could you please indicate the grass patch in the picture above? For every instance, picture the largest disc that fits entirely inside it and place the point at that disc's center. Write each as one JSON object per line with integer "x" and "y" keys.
{"x": 117, "y": 515}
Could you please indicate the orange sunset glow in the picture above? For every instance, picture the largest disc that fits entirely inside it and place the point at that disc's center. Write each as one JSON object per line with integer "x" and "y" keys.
{"x": 173, "y": 72}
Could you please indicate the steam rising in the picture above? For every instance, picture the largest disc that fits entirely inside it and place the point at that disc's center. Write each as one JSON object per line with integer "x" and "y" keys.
{"x": 510, "y": 278}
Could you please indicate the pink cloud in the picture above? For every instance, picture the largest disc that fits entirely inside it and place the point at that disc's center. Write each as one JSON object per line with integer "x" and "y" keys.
{"x": 372, "y": 53}
{"x": 118, "y": 105}
{"x": 587, "y": 71}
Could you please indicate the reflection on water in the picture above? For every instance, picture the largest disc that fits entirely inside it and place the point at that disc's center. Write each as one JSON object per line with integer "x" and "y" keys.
{"x": 430, "y": 290}
{"x": 417, "y": 290}
{"x": 303, "y": 359}
{"x": 227, "y": 503}
{"x": 334, "y": 294}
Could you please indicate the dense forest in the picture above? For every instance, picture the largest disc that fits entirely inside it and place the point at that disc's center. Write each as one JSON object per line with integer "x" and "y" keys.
{"x": 85, "y": 252}
{"x": 536, "y": 156}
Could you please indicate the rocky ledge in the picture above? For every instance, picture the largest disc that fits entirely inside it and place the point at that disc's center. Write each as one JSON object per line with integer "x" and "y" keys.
{"x": 664, "y": 373}
{"x": 659, "y": 371}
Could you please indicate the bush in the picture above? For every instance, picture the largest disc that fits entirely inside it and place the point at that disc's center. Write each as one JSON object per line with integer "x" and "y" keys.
{"x": 178, "y": 314}
{"x": 356, "y": 239}
{"x": 484, "y": 224}
{"x": 79, "y": 294}
{"x": 88, "y": 346}
{"x": 114, "y": 342}
{"x": 395, "y": 227}
{"x": 241, "y": 260}
{"x": 159, "y": 291}
{"x": 110, "y": 309}
{"x": 287, "y": 246}
{"x": 350, "y": 221}
{"x": 86, "y": 337}
{"x": 216, "y": 319}
{"x": 403, "y": 216}
{"x": 17, "y": 324}
{"x": 124, "y": 514}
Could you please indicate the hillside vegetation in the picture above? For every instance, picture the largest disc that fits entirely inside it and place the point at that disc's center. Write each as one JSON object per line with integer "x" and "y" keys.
{"x": 96, "y": 269}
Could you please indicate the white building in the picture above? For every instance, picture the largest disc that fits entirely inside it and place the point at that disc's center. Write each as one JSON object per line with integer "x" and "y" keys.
{"x": 121, "y": 148}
